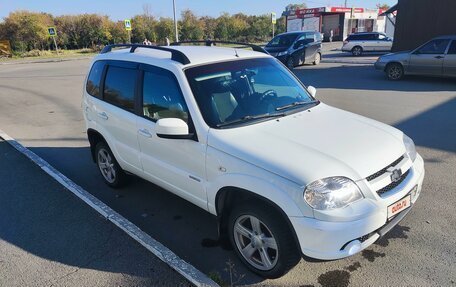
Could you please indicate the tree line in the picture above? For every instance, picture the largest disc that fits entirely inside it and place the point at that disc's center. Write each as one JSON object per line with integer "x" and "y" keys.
{"x": 28, "y": 30}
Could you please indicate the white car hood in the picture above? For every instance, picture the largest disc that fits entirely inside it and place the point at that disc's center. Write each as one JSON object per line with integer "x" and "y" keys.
{"x": 313, "y": 144}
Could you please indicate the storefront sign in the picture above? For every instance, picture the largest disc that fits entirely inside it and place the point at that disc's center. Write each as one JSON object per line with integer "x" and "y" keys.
{"x": 302, "y": 12}
{"x": 346, "y": 10}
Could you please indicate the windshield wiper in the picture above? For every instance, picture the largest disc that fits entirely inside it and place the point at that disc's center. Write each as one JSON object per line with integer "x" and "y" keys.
{"x": 295, "y": 104}
{"x": 249, "y": 118}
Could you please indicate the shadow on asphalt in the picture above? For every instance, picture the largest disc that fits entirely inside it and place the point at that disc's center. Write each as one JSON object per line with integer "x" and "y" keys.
{"x": 186, "y": 229}
{"x": 433, "y": 128}
{"x": 365, "y": 77}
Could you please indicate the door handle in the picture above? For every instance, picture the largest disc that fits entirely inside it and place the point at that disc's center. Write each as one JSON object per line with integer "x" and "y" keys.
{"x": 103, "y": 115}
{"x": 439, "y": 57}
{"x": 145, "y": 133}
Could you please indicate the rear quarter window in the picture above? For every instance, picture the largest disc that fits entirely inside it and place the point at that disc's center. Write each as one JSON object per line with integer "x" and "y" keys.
{"x": 94, "y": 79}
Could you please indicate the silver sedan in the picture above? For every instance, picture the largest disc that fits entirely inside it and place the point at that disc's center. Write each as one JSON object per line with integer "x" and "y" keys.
{"x": 434, "y": 58}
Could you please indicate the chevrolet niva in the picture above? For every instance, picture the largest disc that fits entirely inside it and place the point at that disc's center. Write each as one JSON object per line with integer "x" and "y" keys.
{"x": 236, "y": 133}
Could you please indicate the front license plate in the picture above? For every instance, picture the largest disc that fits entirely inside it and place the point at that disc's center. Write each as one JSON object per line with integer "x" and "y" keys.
{"x": 399, "y": 206}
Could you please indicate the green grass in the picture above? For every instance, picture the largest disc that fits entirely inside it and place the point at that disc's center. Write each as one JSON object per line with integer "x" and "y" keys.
{"x": 47, "y": 54}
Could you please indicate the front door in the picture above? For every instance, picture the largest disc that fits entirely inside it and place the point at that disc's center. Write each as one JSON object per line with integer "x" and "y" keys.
{"x": 449, "y": 63}
{"x": 177, "y": 165}
{"x": 428, "y": 59}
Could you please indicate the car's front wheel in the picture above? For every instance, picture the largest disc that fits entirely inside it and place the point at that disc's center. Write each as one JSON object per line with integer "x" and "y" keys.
{"x": 394, "y": 71}
{"x": 317, "y": 59}
{"x": 262, "y": 240}
{"x": 110, "y": 169}
{"x": 290, "y": 63}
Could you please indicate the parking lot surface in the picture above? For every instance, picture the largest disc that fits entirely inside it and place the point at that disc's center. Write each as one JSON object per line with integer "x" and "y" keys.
{"x": 48, "y": 237}
{"x": 40, "y": 106}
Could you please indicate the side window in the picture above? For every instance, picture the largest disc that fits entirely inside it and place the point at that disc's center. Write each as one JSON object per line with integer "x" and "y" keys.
{"x": 452, "y": 50}
{"x": 162, "y": 97}
{"x": 434, "y": 47}
{"x": 94, "y": 79}
{"x": 119, "y": 87}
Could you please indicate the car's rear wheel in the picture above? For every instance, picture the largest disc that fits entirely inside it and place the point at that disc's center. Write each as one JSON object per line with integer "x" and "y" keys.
{"x": 317, "y": 59}
{"x": 290, "y": 63}
{"x": 262, "y": 240}
{"x": 394, "y": 71}
{"x": 110, "y": 169}
{"x": 357, "y": 51}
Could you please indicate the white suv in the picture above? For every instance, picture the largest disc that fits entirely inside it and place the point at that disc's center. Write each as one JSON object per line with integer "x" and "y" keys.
{"x": 236, "y": 133}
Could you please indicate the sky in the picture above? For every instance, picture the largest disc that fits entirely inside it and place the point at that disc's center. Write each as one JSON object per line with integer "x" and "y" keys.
{"x": 118, "y": 9}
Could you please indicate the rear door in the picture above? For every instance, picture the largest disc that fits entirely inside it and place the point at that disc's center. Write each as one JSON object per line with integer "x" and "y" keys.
{"x": 115, "y": 113}
{"x": 369, "y": 42}
{"x": 428, "y": 59}
{"x": 177, "y": 165}
{"x": 449, "y": 63}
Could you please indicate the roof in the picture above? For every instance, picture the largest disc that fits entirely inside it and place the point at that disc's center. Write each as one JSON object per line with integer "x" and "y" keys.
{"x": 390, "y": 10}
{"x": 196, "y": 54}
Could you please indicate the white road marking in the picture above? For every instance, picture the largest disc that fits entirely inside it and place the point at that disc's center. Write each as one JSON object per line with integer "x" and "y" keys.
{"x": 188, "y": 271}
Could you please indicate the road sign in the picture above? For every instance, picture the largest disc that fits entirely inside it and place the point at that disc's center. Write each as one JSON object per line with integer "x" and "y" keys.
{"x": 273, "y": 18}
{"x": 52, "y": 31}
{"x": 127, "y": 24}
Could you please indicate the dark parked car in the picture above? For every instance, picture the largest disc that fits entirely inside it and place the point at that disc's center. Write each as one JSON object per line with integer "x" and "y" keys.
{"x": 296, "y": 48}
{"x": 435, "y": 58}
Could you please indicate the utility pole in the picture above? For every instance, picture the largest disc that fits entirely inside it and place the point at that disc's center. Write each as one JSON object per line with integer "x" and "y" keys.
{"x": 345, "y": 4}
{"x": 175, "y": 21}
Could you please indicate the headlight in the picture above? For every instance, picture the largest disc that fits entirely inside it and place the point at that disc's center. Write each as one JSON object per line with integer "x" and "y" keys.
{"x": 331, "y": 193}
{"x": 409, "y": 147}
{"x": 282, "y": 53}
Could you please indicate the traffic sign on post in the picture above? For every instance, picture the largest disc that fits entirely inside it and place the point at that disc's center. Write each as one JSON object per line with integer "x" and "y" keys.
{"x": 273, "y": 18}
{"x": 52, "y": 31}
{"x": 127, "y": 24}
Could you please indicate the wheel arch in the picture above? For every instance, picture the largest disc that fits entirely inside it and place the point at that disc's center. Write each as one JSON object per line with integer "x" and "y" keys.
{"x": 94, "y": 138}
{"x": 394, "y": 62}
{"x": 229, "y": 195}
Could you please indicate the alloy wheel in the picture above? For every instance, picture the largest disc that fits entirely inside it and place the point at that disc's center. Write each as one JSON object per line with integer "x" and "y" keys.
{"x": 106, "y": 165}
{"x": 255, "y": 242}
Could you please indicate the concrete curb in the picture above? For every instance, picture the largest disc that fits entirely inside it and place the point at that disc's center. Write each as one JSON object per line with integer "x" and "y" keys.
{"x": 50, "y": 60}
{"x": 343, "y": 61}
{"x": 185, "y": 269}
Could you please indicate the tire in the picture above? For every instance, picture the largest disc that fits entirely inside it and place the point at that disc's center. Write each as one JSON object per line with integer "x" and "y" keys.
{"x": 272, "y": 239}
{"x": 357, "y": 51}
{"x": 317, "y": 59}
{"x": 290, "y": 64}
{"x": 394, "y": 71}
{"x": 110, "y": 170}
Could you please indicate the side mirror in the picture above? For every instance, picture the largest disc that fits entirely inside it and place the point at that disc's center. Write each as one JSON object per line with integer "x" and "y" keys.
{"x": 312, "y": 91}
{"x": 172, "y": 128}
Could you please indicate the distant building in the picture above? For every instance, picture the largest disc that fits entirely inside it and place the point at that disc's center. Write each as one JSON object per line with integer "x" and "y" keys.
{"x": 341, "y": 20}
{"x": 418, "y": 21}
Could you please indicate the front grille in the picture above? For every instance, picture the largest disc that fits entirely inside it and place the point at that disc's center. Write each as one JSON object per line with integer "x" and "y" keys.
{"x": 380, "y": 172}
{"x": 393, "y": 185}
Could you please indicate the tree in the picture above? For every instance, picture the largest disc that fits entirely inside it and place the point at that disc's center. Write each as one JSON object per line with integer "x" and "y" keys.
{"x": 293, "y": 7}
{"x": 191, "y": 28}
{"x": 383, "y": 6}
{"x": 165, "y": 29}
{"x": 143, "y": 27}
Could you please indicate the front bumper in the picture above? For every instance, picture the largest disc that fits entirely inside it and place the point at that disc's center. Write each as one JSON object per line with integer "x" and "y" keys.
{"x": 380, "y": 65}
{"x": 328, "y": 240}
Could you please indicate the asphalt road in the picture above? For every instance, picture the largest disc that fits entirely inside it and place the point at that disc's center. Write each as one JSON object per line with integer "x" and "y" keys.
{"x": 48, "y": 237}
{"x": 40, "y": 106}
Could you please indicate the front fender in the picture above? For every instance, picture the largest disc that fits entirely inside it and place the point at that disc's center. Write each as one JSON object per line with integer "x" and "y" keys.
{"x": 267, "y": 189}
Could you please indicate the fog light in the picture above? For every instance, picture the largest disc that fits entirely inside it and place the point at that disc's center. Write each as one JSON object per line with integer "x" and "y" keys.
{"x": 353, "y": 247}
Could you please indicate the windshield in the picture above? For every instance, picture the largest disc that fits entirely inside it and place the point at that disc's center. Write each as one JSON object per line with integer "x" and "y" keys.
{"x": 246, "y": 91}
{"x": 283, "y": 40}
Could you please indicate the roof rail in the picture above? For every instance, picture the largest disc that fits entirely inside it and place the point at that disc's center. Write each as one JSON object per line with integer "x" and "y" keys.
{"x": 176, "y": 55}
{"x": 255, "y": 48}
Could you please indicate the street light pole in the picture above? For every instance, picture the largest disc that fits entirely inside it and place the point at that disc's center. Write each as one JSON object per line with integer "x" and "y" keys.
{"x": 345, "y": 4}
{"x": 175, "y": 21}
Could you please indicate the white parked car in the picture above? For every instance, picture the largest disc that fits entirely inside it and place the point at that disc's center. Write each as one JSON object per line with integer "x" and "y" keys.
{"x": 237, "y": 134}
{"x": 359, "y": 43}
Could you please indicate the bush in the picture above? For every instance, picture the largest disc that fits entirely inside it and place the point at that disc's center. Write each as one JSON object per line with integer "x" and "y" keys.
{"x": 37, "y": 53}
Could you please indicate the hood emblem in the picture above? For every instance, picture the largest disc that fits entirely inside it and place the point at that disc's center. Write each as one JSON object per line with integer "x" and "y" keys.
{"x": 396, "y": 175}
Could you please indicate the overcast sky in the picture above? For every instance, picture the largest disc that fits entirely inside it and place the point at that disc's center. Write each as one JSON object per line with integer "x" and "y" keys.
{"x": 118, "y": 9}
